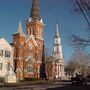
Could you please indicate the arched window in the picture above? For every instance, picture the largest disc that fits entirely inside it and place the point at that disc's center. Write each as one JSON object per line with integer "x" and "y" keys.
{"x": 29, "y": 63}
{"x": 30, "y": 68}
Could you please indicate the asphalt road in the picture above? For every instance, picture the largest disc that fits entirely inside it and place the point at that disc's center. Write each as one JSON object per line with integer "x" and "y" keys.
{"x": 54, "y": 86}
{"x": 70, "y": 87}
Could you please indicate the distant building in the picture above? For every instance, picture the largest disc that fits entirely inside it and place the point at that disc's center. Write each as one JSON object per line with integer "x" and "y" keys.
{"x": 6, "y": 62}
{"x": 55, "y": 63}
{"x": 58, "y": 55}
{"x": 50, "y": 68}
{"x": 28, "y": 46}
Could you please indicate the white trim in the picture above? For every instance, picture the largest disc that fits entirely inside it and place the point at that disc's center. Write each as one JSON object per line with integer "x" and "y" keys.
{"x": 33, "y": 39}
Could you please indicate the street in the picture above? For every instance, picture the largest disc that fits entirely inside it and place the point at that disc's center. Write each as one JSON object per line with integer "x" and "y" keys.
{"x": 54, "y": 86}
{"x": 70, "y": 87}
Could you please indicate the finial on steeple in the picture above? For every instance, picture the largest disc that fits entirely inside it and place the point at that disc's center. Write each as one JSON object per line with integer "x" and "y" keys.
{"x": 35, "y": 11}
{"x": 19, "y": 30}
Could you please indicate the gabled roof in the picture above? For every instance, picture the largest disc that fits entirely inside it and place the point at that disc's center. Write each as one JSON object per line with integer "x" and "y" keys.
{"x": 33, "y": 39}
{"x": 4, "y": 44}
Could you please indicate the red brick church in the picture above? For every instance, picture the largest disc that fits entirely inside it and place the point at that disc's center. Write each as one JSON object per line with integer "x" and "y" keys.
{"x": 28, "y": 46}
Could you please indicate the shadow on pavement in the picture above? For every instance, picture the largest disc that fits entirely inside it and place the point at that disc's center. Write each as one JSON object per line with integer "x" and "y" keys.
{"x": 71, "y": 87}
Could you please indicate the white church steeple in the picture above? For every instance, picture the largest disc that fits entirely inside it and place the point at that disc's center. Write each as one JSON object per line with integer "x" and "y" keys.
{"x": 57, "y": 41}
{"x": 57, "y": 54}
{"x": 57, "y": 36}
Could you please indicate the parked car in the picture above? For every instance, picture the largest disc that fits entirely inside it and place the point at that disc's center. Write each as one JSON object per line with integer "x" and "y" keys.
{"x": 88, "y": 78}
{"x": 78, "y": 79}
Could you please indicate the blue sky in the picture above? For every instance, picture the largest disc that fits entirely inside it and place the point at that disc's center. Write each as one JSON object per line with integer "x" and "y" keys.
{"x": 12, "y": 11}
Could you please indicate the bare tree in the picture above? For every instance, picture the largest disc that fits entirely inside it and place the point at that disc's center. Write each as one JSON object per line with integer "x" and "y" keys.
{"x": 83, "y": 7}
{"x": 70, "y": 67}
{"x": 78, "y": 63}
{"x": 78, "y": 42}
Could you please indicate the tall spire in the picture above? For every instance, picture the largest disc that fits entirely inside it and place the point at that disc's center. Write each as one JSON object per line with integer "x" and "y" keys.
{"x": 19, "y": 30}
{"x": 57, "y": 32}
{"x": 58, "y": 55}
{"x": 35, "y": 11}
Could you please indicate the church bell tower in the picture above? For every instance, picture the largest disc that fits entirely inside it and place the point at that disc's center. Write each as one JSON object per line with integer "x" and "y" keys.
{"x": 34, "y": 26}
{"x": 28, "y": 47}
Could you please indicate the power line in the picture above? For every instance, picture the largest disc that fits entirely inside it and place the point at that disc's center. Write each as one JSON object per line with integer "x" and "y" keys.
{"x": 83, "y": 12}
